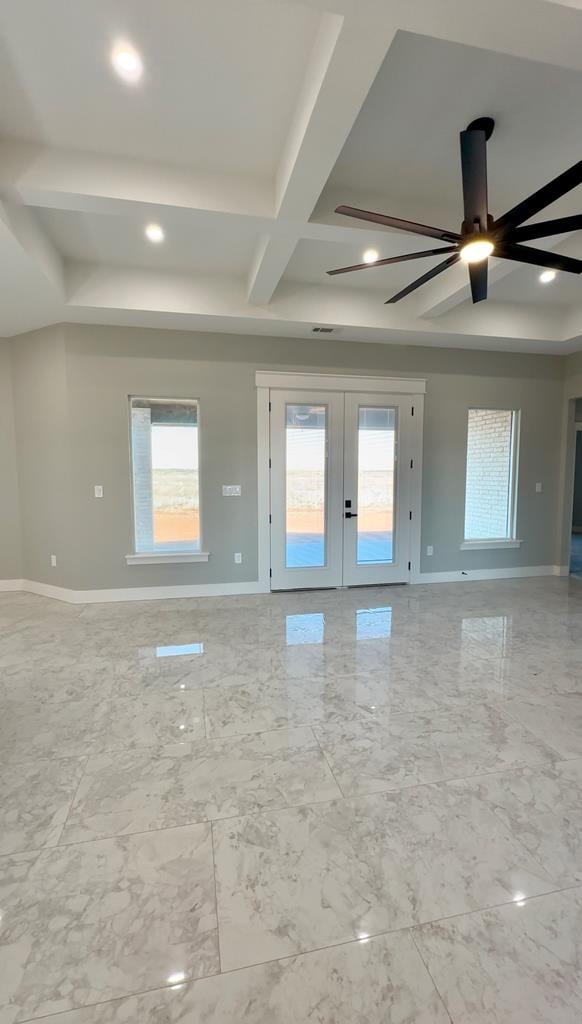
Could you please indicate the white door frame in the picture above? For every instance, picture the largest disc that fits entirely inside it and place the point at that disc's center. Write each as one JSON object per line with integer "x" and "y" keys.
{"x": 269, "y": 380}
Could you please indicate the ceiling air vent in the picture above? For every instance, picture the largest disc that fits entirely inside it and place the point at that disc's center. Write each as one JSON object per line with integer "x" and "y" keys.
{"x": 323, "y": 330}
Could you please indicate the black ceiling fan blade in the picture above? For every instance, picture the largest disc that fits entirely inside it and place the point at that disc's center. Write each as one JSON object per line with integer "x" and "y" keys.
{"x": 391, "y": 259}
{"x": 564, "y": 183}
{"x": 547, "y": 227}
{"x": 474, "y": 173}
{"x": 538, "y": 257}
{"x": 398, "y": 223}
{"x": 425, "y": 277}
{"x": 478, "y": 279}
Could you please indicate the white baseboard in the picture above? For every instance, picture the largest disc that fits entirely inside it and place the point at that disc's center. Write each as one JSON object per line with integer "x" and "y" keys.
{"x": 466, "y": 575}
{"x": 132, "y": 593}
{"x": 233, "y": 589}
{"x": 12, "y": 585}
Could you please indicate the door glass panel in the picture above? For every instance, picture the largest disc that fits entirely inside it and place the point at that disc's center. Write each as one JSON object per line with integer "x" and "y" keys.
{"x": 305, "y": 486}
{"x": 375, "y": 507}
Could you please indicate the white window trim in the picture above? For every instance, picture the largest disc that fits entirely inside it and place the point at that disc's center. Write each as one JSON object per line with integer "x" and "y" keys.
{"x": 166, "y": 557}
{"x": 484, "y": 545}
{"x": 474, "y": 544}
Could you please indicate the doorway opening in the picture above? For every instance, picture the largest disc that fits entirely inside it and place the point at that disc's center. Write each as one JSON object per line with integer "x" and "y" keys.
{"x": 576, "y": 539}
{"x": 344, "y": 481}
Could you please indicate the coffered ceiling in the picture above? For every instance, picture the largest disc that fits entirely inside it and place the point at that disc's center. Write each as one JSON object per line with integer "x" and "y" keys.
{"x": 251, "y": 121}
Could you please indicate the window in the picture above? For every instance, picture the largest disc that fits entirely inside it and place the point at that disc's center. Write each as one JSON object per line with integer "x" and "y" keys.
{"x": 164, "y": 451}
{"x": 490, "y": 493}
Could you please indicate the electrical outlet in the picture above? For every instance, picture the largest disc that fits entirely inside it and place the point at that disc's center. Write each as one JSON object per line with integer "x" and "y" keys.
{"x": 54, "y": 561}
{"x": 539, "y": 488}
{"x": 98, "y": 490}
{"x": 430, "y": 550}
{"x": 238, "y": 557}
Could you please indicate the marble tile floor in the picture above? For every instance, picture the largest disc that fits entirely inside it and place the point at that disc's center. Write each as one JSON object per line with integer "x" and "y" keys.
{"x": 337, "y": 807}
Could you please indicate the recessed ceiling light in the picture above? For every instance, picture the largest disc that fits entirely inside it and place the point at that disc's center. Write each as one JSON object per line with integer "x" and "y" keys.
{"x": 127, "y": 62}
{"x": 477, "y": 250}
{"x": 155, "y": 233}
{"x": 371, "y": 255}
{"x": 547, "y": 275}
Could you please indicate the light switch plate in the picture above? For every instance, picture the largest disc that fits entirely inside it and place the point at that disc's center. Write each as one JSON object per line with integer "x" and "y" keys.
{"x": 98, "y": 490}
{"x": 231, "y": 490}
{"x": 238, "y": 557}
{"x": 430, "y": 550}
{"x": 539, "y": 488}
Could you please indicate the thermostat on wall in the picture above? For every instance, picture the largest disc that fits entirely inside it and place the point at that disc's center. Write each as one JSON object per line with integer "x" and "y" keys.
{"x": 231, "y": 490}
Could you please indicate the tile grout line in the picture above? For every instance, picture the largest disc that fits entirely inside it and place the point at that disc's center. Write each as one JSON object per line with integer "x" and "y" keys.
{"x": 513, "y": 718}
{"x": 212, "y": 847}
{"x": 325, "y": 758}
{"x": 469, "y": 779}
{"x": 57, "y": 845}
{"x": 426, "y": 967}
{"x": 410, "y": 929}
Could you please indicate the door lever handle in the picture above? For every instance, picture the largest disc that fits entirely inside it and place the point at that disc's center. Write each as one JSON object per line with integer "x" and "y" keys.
{"x": 351, "y": 515}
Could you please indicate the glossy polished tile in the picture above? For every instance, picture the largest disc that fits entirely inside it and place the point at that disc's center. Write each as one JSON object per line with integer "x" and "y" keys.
{"x": 35, "y": 798}
{"x": 404, "y": 687}
{"x": 149, "y": 789}
{"x": 91, "y": 725}
{"x": 558, "y": 719}
{"x": 396, "y": 750}
{"x": 380, "y": 981}
{"x": 293, "y": 880}
{"x": 255, "y": 707}
{"x": 518, "y": 964}
{"x": 99, "y": 920}
{"x": 542, "y": 806}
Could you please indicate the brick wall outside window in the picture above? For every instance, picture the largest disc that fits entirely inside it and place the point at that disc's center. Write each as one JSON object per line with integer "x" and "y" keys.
{"x": 488, "y": 484}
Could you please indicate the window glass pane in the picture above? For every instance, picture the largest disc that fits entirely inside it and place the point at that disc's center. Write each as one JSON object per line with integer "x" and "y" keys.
{"x": 375, "y": 507}
{"x": 489, "y": 474}
{"x": 164, "y": 438}
{"x": 305, "y": 485}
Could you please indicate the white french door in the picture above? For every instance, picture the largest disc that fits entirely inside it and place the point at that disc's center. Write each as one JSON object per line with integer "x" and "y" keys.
{"x": 340, "y": 485}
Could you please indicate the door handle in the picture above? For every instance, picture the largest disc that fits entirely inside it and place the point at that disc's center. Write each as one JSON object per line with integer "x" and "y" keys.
{"x": 351, "y": 515}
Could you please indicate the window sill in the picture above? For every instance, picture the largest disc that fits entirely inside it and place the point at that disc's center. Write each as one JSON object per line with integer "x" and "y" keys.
{"x": 166, "y": 557}
{"x": 484, "y": 545}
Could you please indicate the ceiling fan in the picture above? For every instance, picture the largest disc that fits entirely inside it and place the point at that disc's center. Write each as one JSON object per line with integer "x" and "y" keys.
{"x": 481, "y": 236}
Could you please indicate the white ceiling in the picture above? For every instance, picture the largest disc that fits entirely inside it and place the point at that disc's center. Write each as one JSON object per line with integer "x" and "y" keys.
{"x": 210, "y": 97}
{"x": 194, "y": 240}
{"x": 253, "y": 120}
{"x": 405, "y": 142}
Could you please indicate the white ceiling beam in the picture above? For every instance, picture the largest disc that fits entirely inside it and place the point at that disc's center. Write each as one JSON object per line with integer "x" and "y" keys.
{"x": 32, "y": 278}
{"x": 87, "y": 182}
{"x": 345, "y": 58}
{"x": 93, "y": 290}
{"x": 37, "y": 247}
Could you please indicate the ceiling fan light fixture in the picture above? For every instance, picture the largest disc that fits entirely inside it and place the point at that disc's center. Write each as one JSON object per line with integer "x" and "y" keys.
{"x": 547, "y": 276}
{"x": 476, "y": 250}
{"x": 371, "y": 256}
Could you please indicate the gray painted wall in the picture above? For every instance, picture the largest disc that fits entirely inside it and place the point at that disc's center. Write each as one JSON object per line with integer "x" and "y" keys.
{"x": 40, "y": 399}
{"x": 90, "y": 371}
{"x": 10, "y": 545}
